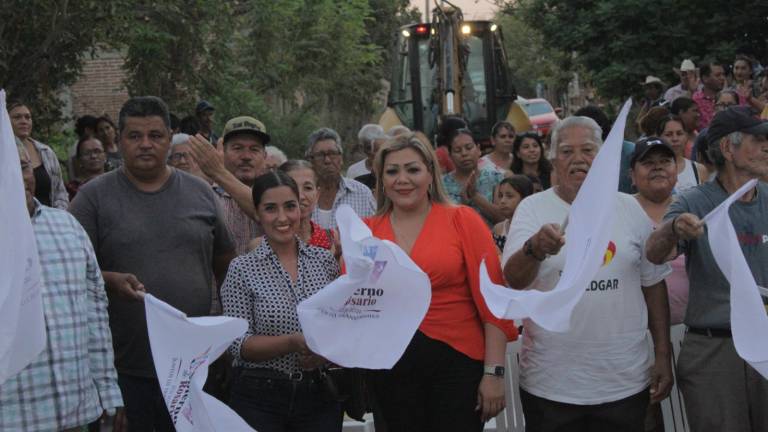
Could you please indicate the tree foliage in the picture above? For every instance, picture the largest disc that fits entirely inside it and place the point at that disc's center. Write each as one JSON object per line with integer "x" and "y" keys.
{"x": 530, "y": 59}
{"x": 316, "y": 63}
{"x": 42, "y": 45}
{"x": 622, "y": 41}
{"x": 295, "y": 64}
{"x": 175, "y": 49}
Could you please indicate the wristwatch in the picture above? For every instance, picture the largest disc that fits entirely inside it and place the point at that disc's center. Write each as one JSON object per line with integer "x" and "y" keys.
{"x": 495, "y": 370}
{"x": 528, "y": 250}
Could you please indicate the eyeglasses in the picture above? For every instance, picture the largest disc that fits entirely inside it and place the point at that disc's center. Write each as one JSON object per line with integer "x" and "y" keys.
{"x": 176, "y": 157}
{"x": 325, "y": 154}
{"x": 95, "y": 153}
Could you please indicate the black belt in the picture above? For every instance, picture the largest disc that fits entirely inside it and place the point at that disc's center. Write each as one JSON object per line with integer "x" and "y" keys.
{"x": 711, "y": 332}
{"x": 313, "y": 375}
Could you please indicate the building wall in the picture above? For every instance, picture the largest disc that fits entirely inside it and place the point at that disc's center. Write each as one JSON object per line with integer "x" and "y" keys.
{"x": 100, "y": 89}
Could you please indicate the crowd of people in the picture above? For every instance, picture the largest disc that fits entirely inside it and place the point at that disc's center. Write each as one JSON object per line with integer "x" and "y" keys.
{"x": 228, "y": 225}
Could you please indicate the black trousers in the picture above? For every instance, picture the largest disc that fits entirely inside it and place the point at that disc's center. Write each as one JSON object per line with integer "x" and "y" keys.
{"x": 432, "y": 387}
{"x": 145, "y": 407}
{"x": 623, "y": 415}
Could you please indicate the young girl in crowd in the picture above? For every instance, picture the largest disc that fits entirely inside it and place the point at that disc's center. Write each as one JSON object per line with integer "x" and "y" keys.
{"x": 529, "y": 158}
{"x": 510, "y": 192}
{"x": 278, "y": 385}
{"x": 450, "y": 377}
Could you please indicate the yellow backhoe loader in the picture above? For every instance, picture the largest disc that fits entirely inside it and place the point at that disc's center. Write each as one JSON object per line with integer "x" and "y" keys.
{"x": 451, "y": 67}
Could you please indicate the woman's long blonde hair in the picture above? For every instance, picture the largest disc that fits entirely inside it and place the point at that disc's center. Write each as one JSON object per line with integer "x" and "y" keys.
{"x": 420, "y": 144}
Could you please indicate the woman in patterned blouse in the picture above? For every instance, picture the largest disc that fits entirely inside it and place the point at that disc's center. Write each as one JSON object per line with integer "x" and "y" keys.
{"x": 313, "y": 234}
{"x": 277, "y": 385}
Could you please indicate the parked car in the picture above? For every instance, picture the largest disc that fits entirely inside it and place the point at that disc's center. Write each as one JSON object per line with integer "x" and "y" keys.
{"x": 541, "y": 114}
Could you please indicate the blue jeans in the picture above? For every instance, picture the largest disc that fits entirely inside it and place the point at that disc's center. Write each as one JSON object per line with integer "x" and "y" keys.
{"x": 145, "y": 407}
{"x": 283, "y": 405}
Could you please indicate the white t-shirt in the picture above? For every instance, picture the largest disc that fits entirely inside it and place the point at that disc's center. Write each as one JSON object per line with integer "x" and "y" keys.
{"x": 605, "y": 356}
{"x": 357, "y": 169}
{"x": 687, "y": 178}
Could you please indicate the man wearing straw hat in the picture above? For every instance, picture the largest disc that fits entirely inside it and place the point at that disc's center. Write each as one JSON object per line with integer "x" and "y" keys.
{"x": 689, "y": 81}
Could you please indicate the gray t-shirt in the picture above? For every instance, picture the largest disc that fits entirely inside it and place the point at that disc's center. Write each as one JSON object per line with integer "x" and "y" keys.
{"x": 167, "y": 239}
{"x": 709, "y": 303}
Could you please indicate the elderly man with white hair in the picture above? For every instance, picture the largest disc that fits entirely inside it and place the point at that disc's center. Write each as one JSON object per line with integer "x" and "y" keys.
{"x": 367, "y": 137}
{"x": 325, "y": 153}
{"x": 600, "y": 374}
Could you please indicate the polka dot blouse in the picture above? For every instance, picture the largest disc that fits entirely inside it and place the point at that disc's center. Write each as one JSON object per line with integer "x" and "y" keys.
{"x": 259, "y": 290}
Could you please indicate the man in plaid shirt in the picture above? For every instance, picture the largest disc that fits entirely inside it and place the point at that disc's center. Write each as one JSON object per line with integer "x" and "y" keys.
{"x": 73, "y": 381}
{"x": 325, "y": 153}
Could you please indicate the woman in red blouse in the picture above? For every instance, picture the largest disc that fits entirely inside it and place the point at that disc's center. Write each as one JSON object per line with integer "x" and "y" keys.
{"x": 450, "y": 377}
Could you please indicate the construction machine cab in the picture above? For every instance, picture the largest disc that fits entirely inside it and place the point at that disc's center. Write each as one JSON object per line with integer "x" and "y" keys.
{"x": 451, "y": 67}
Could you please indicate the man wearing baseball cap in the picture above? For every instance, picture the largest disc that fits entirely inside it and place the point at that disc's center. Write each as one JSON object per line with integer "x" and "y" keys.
{"x": 721, "y": 391}
{"x": 204, "y": 113}
{"x": 689, "y": 80}
{"x": 245, "y": 139}
{"x": 234, "y": 170}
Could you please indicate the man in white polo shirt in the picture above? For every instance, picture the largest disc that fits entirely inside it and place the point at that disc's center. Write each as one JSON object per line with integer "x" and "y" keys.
{"x": 600, "y": 374}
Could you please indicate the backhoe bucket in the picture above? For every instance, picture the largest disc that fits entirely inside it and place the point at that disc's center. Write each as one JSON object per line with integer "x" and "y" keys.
{"x": 519, "y": 118}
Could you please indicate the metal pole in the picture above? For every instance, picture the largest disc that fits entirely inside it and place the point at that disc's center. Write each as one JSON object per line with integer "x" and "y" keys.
{"x": 426, "y": 11}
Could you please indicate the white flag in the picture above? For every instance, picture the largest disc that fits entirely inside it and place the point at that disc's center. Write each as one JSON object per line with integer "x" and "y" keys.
{"x": 749, "y": 322}
{"x": 182, "y": 349}
{"x": 367, "y": 317}
{"x": 587, "y": 235}
{"x": 22, "y": 325}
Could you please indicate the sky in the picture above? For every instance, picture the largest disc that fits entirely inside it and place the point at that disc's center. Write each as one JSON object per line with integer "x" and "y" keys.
{"x": 472, "y": 9}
